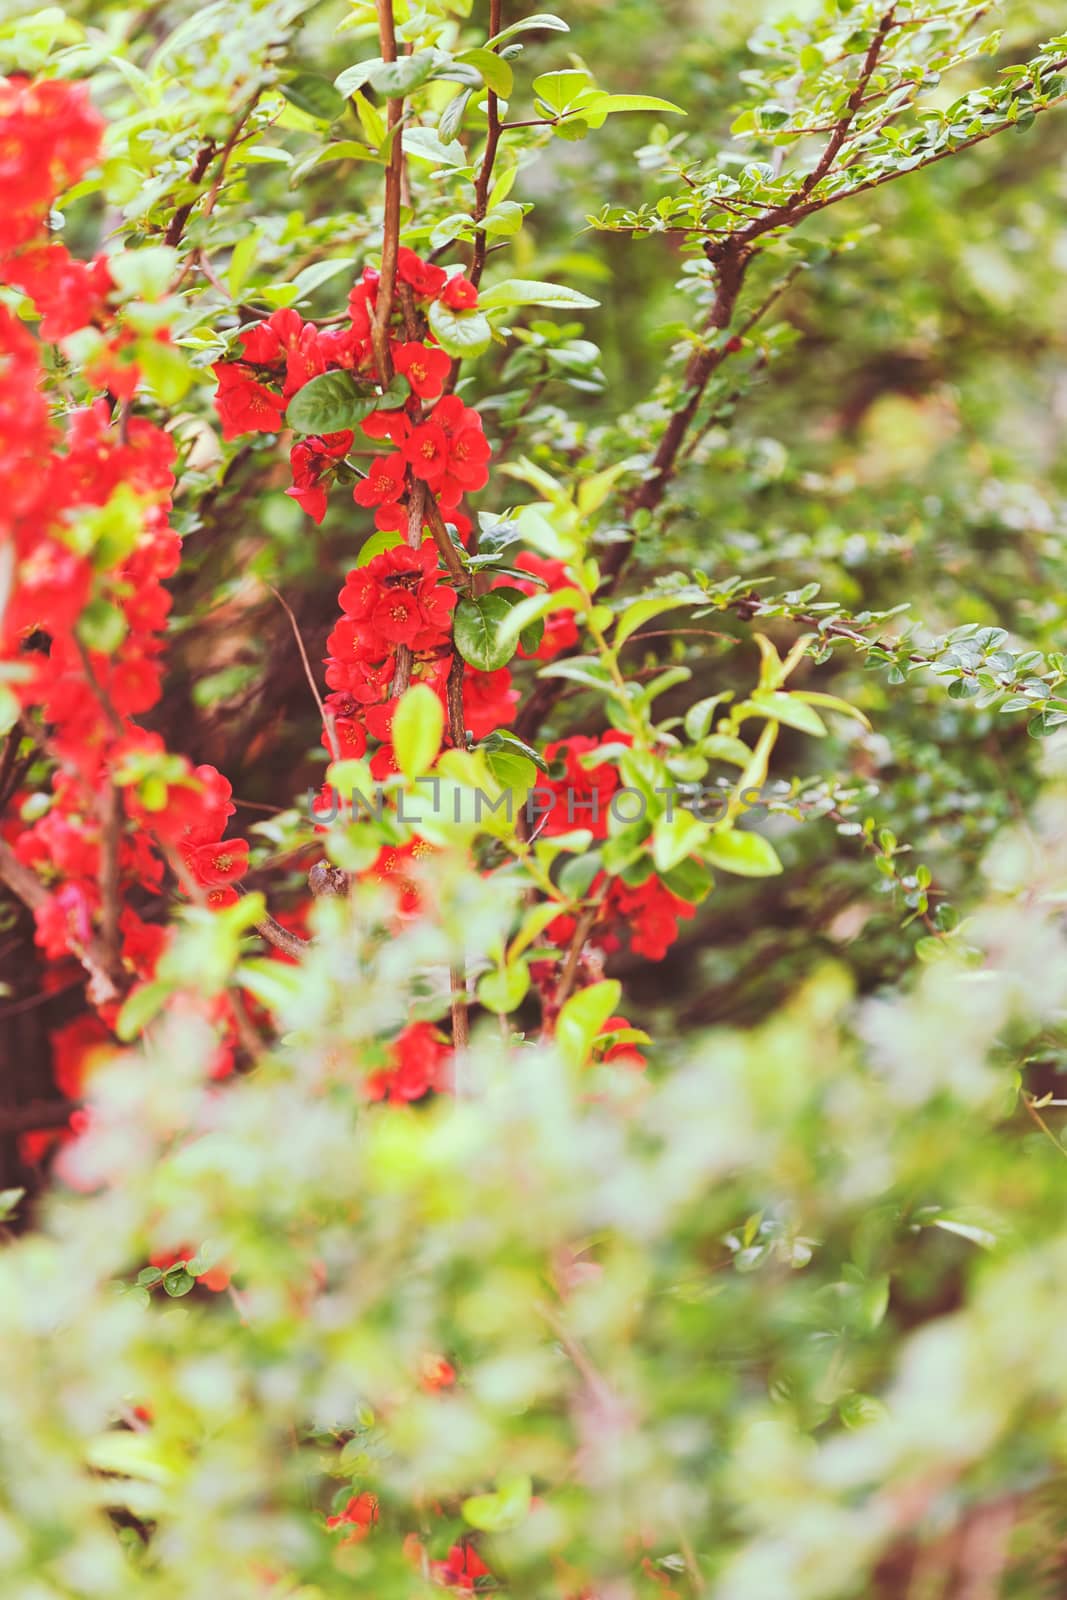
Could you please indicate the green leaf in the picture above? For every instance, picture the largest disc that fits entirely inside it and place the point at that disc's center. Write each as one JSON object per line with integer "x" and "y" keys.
{"x": 320, "y": 272}
{"x": 503, "y": 738}
{"x": 375, "y": 128}
{"x": 478, "y": 632}
{"x": 460, "y": 333}
{"x": 242, "y": 260}
{"x": 533, "y": 926}
{"x": 504, "y": 990}
{"x": 384, "y": 539}
{"x": 275, "y": 984}
{"x": 698, "y": 717}
{"x": 689, "y": 880}
{"x": 102, "y": 625}
{"x": 144, "y": 274}
{"x": 315, "y": 95}
{"x": 582, "y": 1018}
{"x": 676, "y": 838}
{"x": 418, "y": 725}
{"x": 832, "y": 702}
{"x": 394, "y": 79}
{"x": 134, "y": 1455}
{"x": 598, "y": 102}
{"x": 493, "y": 1513}
{"x": 643, "y": 611}
{"x": 425, "y": 144}
{"x": 496, "y": 74}
{"x": 724, "y": 747}
{"x": 177, "y": 1282}
{"x": 344, "y": 150}
{"x": 530, "y": 292}
{"x": 749, "y": 855}
{"x": 329, "y": 403}
{"x": 10, "y": 709}
{"x": 542, "y": 21}
{"x": 533, "y": 606}
{"x": 560, "y": 90}
{"x": 511, "y": 771}
{"x": 785, "y": 708}
{"x": 451, "y": 118}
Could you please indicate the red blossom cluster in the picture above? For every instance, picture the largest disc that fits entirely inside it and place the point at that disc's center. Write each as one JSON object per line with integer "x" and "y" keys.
{"x": 85, "y": 519}
{"x": 419, "y": 1061}
{"x": 357, "y": 1517}
{"x": 444, "y": 447}
{"x": 401, "y": 598}
{"x": 49, "y": 137}
{"x": 646, "y": 915}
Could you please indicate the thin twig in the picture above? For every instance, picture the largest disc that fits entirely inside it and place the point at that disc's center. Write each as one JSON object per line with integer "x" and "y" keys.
{"x": 1036, "y": 1117}
{"x": 328, "y": 721}
{"x": 383, "y": 307}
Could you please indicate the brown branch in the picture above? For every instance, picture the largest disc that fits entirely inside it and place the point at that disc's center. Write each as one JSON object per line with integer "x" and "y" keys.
{"x": 176, "y": 226}
{"x": 457, "y": 718}
{"x": 281, "y": 938}
{"x": 567, "y": 978}
{"x": 855, "y": 101}
{"x": 457, "y": 980}
{"x": 227, "y": 151}
{"x": 391, "y": 211}
{"x": 485, "y": 173}
{"x": 111, "y": 820}
{"x": 444, "y": 541}
{"x": 37, "y": 1114}
{"x": 418, "y": 497}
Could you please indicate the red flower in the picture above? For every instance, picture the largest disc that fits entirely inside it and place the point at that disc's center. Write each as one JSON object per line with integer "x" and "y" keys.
{"x": 243, "y": 405}
{"x": 392, "y": 425}
{"x": 427, "y": 453}
{"x": 459, "y": 294}
{"x": 68, "y": 293}
{"x": 403, "y": 598}
{"x": 650, "y": 913}
{"x": 361, "y": 302}
{"x": 75, "y": 1047}
{"x": 489, "y": 700}
{"x": 397, "y": 617}
{"x": 436, "y": 1373}
{"x": 582, "y": 796}
{"x": 65, "y": 920}
{"x": 624, "y": 1054}
{"x": 384, "y": 484}
{"x": 310, "y": 460}
{"x": 461, "y": 1567}
{"x": 418, "y": 1062}
{"x": 219, "y": 863}
{"x": 360, "y": 1515}
{"x": 426, "y": 279}
{"x": 424, "y": 367}
{"x": 221, "y": 895}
